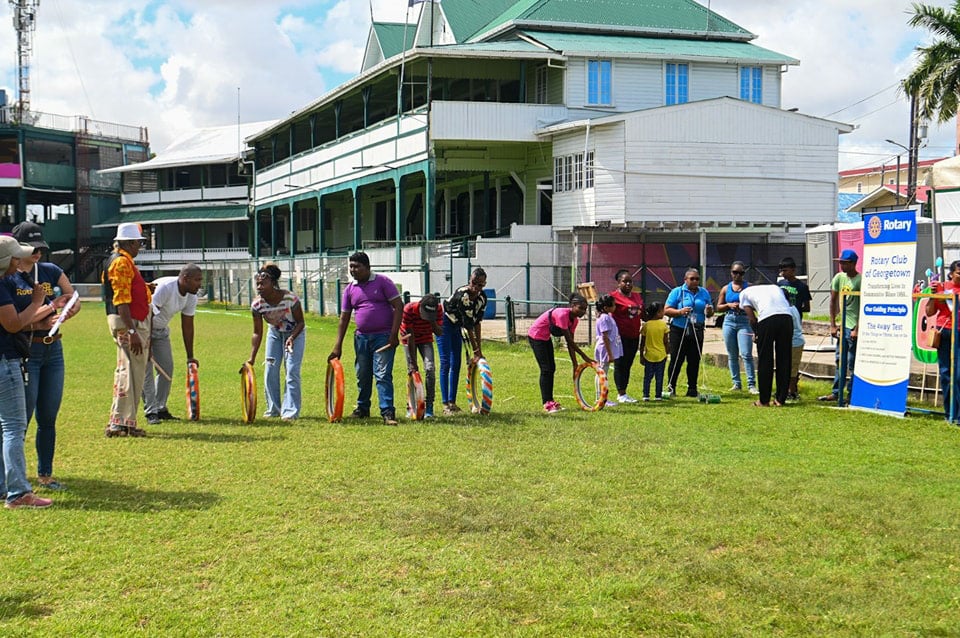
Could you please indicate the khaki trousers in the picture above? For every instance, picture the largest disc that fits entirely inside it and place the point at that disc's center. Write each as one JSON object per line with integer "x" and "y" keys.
{"x": 129, "y": 375}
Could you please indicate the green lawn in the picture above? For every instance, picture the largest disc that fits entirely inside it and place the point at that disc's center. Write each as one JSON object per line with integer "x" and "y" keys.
{"x": 659, "y": 520}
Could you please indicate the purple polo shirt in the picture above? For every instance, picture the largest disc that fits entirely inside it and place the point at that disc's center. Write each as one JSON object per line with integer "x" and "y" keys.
{"x": 370, "y": 303}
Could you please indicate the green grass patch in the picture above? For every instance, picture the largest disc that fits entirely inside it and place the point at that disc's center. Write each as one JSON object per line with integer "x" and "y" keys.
{"x": 657, "y": 519}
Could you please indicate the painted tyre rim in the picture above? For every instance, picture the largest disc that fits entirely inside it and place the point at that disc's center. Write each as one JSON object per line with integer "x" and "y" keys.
{"x": 416, "y": 397}
{"x": 480, "y": 387}
{"x": 334, "y": 390}
{"x": 193, "y": 392}
{"x": 248, "y": 393}
{"x": 591, "y": 392}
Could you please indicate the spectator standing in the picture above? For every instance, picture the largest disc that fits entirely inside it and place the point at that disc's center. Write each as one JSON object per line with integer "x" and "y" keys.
{"x": 45, "y": 367}
{"x": 170, "y": 296}
{"x": 127, "y": 300}
{"x": 462, "y": 313}
{"x": 737, "y": 333}
{"x": 688, "y": 306}
{"x": 419, "y": 324}
{"x": 798, "y": 292}
{"x": 16, "y": 313}
{"x": 628, "y": 313}
{"x": 845, "y": 281}
{"x": 768, "y": 310}
{"x": 654, "y": 343}
{"x": 379, "y": 312}
{"x": 944, "y": 324}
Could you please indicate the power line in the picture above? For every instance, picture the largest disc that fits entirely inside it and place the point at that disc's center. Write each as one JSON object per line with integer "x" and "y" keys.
{"x": 869, "y": 97}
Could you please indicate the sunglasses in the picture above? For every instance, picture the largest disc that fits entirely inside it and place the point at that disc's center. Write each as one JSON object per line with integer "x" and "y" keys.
{"x": 693, "y": 278}
{"x": 737, "y": 272}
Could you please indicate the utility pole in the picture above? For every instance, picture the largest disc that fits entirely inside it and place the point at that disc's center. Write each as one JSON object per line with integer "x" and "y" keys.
{"x": 25, "y": 22}
{"x": 913, "y": 153}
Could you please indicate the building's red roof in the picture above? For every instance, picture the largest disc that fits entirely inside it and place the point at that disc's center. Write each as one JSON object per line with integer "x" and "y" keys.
{"x": 888, "y": 167}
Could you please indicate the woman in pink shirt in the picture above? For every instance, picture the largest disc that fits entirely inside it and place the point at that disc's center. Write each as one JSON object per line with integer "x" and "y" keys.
{"x": 556, "y": 322}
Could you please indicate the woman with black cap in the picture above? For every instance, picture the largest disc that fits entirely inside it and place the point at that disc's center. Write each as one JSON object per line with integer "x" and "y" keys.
{"x": 45, "y": 367}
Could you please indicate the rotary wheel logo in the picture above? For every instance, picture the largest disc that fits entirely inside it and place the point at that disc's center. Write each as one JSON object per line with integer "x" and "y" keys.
{"x": 874, "y": 227}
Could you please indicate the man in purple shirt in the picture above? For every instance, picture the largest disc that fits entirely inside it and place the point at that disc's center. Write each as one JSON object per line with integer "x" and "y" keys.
{"x": 379, "y": 309}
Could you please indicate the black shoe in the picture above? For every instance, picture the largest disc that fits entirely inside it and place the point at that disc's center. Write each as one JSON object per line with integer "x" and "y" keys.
{"x": 165, "y": 415}
{"x": 360, "y": 413}
{"x": 389, "y": 418}
{"x": 692, "y": 394}
{"x": 153, "y": 418}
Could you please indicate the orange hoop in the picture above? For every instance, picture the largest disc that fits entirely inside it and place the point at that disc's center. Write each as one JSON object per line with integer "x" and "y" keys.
{"x": 598, "y": 390}
{"x": 334, "y": 390}
{"x": 248, "y": 393}
{"x": 416, "y": 396}
{"x": 193, "y": 391}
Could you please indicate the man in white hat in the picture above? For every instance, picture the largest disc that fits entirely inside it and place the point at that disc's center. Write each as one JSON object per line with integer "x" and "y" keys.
{"x": 127, "y": 298}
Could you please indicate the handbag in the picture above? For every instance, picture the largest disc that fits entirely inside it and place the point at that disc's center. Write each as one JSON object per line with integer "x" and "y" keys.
{"x": 718, "y": 320}
{"x": 21, "y": 341}
{"x": 935, "y": 338}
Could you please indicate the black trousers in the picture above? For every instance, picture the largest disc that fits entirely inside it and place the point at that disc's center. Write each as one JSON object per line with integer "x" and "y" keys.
{"x": 621, "y": 367}
{"x": 774, "y": 341}
{"x": 685, "y": 349}
{"x": 543, "y": 352}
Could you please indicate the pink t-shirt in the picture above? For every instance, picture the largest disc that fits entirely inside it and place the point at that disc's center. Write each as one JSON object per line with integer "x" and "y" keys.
{"x": 540, "y": 330}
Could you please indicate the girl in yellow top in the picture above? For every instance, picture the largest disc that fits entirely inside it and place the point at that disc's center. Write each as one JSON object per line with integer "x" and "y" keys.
{"x": 654, "y": 343}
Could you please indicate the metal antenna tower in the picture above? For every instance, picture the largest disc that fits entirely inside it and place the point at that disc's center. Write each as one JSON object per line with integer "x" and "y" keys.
{"x": 25, "y": 22}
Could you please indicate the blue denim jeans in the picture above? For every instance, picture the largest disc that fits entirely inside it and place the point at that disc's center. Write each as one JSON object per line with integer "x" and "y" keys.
{"x": 450, "y": 348}
{"x": 950, "y": 390}
{"x": 372, "y": 365}
{"x": 654, "y": 371}
{"x": 13, "y": 421}
{"x": 738, "y": 337}
{"x": 850, "y": 347}
{"x": 275, "y": 354}
{"x": 44, "y": 393}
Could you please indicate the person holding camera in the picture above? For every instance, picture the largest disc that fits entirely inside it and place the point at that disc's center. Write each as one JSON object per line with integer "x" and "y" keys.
{"x": 688, "y": 307}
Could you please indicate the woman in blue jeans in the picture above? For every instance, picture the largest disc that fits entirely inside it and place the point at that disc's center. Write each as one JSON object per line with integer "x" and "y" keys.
{"x": 45, "y": 368}
{"x": 462, "y": 311}
{"x": 281, "y": 310}
{"x": 16, "y": 313}
{"x": 737, "y": 333}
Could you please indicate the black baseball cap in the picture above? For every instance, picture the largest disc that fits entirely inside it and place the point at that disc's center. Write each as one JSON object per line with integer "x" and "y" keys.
{"x": 30, "y": 234}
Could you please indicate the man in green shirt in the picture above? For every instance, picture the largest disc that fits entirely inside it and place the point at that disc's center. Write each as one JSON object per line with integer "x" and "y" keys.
{"x": 847, "y": 280}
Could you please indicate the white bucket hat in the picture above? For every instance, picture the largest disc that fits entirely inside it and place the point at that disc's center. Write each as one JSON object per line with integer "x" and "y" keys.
{"x": 129, "y": 231}
{"x": 10, "y": 248}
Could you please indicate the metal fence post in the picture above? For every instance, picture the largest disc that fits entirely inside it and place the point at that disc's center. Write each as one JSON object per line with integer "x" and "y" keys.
{"x": 339, "y": 297}
{"x": 306, "y": 297}
{"x": 320, "y": 295}
{"x": 508, "y": 314}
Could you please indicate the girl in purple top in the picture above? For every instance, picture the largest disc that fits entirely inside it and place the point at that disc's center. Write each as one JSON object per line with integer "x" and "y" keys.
{"x": 556, "y": 322}
{"x": 609, "y": 346}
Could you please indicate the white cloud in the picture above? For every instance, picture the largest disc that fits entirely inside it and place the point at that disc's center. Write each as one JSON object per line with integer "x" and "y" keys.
{"x": 176, "y": 65}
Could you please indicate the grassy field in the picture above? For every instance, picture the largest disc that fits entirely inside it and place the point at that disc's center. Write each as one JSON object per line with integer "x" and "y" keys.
{"x": 660, "y": 520}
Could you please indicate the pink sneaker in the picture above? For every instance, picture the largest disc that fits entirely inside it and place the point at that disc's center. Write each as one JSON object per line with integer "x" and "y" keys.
{"x": 28, "y": 500}
{"x": 551, "y": 407}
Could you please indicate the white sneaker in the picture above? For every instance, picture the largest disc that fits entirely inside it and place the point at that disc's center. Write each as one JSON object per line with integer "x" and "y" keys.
{"x": 735, "y": 388}
{"x": 753, "y": 390}
{"x": 626, "y": 398}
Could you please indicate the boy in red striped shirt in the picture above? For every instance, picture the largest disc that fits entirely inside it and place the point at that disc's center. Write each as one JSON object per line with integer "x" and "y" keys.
{"x": 419, "y": 323}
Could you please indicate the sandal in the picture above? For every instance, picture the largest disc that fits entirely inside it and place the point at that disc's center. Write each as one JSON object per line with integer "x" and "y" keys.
{"x": 52, "y": 484}
{"x": 761, "y": 405}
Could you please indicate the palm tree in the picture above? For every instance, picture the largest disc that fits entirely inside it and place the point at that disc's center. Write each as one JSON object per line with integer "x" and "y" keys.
{"x": 935, "y": 82}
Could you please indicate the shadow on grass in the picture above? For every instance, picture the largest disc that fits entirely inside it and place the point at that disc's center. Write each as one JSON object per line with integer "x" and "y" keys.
{"x": 114, "y": 496}
{"x": 22, "y": 605}
{"x": 216, "y": 437}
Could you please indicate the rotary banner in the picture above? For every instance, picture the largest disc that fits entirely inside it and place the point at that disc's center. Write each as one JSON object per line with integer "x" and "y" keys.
{"x": 884, "y": 331}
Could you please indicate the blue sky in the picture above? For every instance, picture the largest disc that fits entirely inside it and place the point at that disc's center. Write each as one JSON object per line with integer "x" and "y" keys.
{"x": 173, "y": 65}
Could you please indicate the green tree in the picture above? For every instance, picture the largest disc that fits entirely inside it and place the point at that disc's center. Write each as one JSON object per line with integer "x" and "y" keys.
{"x": 936, "y": 79}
